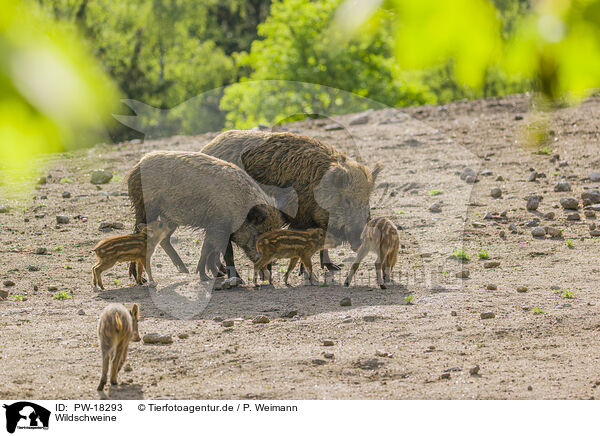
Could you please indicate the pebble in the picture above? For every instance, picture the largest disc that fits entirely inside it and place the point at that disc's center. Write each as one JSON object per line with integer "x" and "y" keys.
{"x": 533, "y": 202}
{"x": 157, "y": 338}
{"x": 328, "y": 343}
{"x": 478, "y": 225}
{"x": 549, "y": 215}
{"x": 260, "y": 319}
{"x": 435, "y": 207}
{"x": 554, "y": 232}
{"x": 502, "y": 233}
{"x": 105, "y": 225}
{"x": 332, "y": 127}
{"x": 42, "y": 180}
{"x": 217, "y": 319}
{"x": 318, "y": 362}
{"x": 562, "y": 186}
{"x": 529, "y": 388}
{"x": 382, "y": 353}
{"x": 591, "y": 196}
{"x": 127, "y": 368}
{"x": 4, "y": 208}
{"x": 359, "y": 119}
{"x": 513, "y": 228}
{"x": 496, "y": 192}
{"x": 345, "y": 302}
{"x": 100, "y": 177}
{"x": 590, "y": 214}
{"x": 445, "y": 376}
{"x": 474, "y": 370}
{"x": 595, "y": 176}
{"x": 468, "y": 172}
{"x": 62, "y": 219}
{"x": 3, "y": 294}
{"x": 328, "y": 355}
{"x": 569, "y": 203}
{"x": 499, "y": 179}
{"x": 595, "y": 232}
{"x": 453, "y": 313}
{"x": 486, "y": 173}
{"x": 227, "y": 323}
{"x": 289, "y": 313}
{"x": 538, "y": 232}
{"x": 471, "y": 179}
{"x": 491, "y": 264}
{"x": 464, "y": 274}
{"x": 532, "y": 176}
{"x": 8, "y": 283}
{"x": 232, "y": 282}
{"x": 522, "y": 289}
{"x": 573, "y": 216}
{"x": 41, "y": 250}
{"x": 66, "y": 194}
{"x": 533, "y": 223}
{"x": 487, "y": 315}
{"x": 491, "y": 287}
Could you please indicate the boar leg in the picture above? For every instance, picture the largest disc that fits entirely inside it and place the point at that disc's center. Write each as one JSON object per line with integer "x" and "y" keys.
{"x": 308, "y": 265}
{"x": 378, "y": 270}
{"x": 166, "y": 245}
{"x": 291, "y": 266}
{"x": 327, "y": 263}
{"x": 105, "y": 357}
{"x": 229, "y": 263}
{"x": 360, "y": 255}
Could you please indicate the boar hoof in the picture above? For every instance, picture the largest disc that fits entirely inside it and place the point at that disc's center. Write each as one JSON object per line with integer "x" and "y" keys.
{"x": 332, "y": 267}
{"x": 183, "y": 269}
{"x": 347, "y": 284}
{"x": 152, "y": 284}
{"x": 101, "y": 386}
{"x": 382, "y": 286}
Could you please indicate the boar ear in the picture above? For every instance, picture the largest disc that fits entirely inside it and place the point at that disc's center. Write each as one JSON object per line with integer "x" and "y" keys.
{"x": 135, "y": 311}
{"x": 339, "y": 176}
{"x": 257, "y": 214}
{"x": 378, "y": 168}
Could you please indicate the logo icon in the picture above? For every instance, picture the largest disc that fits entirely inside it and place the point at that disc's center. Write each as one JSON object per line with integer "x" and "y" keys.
{"x": 26, "y": 415}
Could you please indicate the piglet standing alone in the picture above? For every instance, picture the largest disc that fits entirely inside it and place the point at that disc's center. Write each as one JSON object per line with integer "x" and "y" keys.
{"x": 117, "y": 327}
{"x": 380, "y": 236}
{"x": 135, "y": 247}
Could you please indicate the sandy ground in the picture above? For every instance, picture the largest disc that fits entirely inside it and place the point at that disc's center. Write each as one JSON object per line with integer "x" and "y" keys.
{"x": 539, "y": 344}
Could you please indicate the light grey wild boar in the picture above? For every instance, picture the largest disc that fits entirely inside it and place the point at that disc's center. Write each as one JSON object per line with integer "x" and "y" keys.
{"x": 195, "y": 190}
{"x": 379, "y": 236}
{"x": 290, "y": 244}
{"x": 136, "y": 247}
{"x": 117, "y": 327}
{"x": 332, "y": 189}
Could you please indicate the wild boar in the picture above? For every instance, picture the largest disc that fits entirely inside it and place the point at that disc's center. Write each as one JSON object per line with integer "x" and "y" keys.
{"x": 290, "y": 244}
{"x": 381, "y": 237}
{"x": 136, "y": 247}
{"x": 332, "y": 189}
{"x": 196, "y": 190}
{"x": 116, "y": 328}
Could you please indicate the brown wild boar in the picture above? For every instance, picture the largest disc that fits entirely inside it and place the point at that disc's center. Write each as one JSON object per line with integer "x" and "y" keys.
{"x": 117, "y": 327}
{"x": 332, "y": 189}
{"x": 203, "y": 192}
{"x": 290, "y": 244}
{"x": 381, "y": 237}
{"x": 136, "y": 247}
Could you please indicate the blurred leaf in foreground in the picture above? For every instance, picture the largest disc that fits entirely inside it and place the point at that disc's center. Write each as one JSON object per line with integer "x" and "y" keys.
{"x": 53, "y": 95}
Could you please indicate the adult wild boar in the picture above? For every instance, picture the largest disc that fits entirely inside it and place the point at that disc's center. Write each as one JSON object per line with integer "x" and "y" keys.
{"x": 332, "y": 189}
{"x": 196, "y": 190}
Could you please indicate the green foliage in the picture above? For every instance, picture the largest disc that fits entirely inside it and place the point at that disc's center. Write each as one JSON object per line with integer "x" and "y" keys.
{"x": 569, "y": 243}
{"x": 483, "y": 254}
{"x": 545, "y": 151}
{"x": 461, "y": 255}
{"x": 435, "y": 192}
{"x": 18, "y": 298}
{"x": 297, "y": 46}
{"x": 62, "y": 295}
{"x": 538, "y": 311}
{"x": 66, "y": 180}
{"x": 408, "y": 300}
{"x": 568, "y": 294}
{"x": 53, "y": 95}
